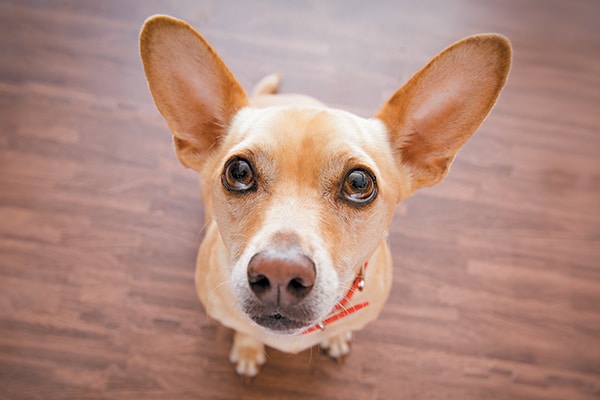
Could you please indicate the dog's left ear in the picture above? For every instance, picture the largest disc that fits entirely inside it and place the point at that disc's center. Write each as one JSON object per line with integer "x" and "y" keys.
{"x": 191, "y": 86}
{"x": 443, "y": 104}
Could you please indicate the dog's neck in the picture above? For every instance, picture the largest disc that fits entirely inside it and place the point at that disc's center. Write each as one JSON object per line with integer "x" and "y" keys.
{"x": 340, "y": 310}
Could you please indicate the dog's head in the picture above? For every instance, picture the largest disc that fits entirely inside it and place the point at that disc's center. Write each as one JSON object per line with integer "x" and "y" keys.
{"x": 302, "y": 196}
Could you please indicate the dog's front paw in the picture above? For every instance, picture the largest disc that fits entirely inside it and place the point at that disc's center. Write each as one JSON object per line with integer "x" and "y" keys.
{"x": 248, "y": 354}
{"x": 338, "y": 347}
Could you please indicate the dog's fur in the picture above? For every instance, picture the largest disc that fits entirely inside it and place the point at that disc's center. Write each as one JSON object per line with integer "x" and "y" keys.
{"x": 289, "y": 205}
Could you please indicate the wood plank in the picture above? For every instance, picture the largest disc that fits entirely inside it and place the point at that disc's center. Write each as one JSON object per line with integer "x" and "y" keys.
{"x": 497, "y": 270}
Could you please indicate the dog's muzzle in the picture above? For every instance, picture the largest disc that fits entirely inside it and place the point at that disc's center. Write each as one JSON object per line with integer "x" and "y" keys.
{"x": 280, "y": 282}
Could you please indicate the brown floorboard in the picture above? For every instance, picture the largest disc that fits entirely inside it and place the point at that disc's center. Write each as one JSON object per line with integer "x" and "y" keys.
{"x": 497, "y": 270}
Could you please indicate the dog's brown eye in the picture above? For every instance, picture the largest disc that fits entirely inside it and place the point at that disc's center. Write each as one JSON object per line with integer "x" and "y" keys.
{"x": 359, "y": 187}
{"x": 238, "y": 175}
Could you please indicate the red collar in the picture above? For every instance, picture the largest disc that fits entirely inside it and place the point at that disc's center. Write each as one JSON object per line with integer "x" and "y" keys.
{"x": 340, "y": 310}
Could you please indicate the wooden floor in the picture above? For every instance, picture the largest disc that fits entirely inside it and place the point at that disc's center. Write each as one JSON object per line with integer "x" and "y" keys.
{"x": 496, "y": 289}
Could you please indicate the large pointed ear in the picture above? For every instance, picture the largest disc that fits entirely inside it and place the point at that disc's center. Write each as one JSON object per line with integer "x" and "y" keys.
{"x": 191, "y": 86}
{"x": 443, "y": 104}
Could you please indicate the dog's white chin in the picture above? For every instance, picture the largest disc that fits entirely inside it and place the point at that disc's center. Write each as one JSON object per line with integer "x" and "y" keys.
{"x": 287, "y": 333}
{"x": 280, "y": 326}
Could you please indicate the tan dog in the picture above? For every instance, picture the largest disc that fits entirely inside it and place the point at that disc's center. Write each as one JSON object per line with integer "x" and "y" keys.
{"x": 299, "y": 196}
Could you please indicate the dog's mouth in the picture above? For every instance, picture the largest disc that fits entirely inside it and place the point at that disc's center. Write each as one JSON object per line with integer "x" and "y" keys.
{"x": 279, "y": 323}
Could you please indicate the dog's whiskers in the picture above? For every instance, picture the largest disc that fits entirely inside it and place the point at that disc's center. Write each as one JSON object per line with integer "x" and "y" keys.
{"x": 212, "y": 293}
{"x": 202, "y": 231}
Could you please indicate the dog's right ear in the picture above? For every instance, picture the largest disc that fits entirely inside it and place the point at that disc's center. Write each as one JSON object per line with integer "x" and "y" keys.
{"x": 441, "y": 106}
{"x": 191, "y": 86}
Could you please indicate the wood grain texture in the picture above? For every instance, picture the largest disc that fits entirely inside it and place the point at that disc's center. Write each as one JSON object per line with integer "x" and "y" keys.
{"x": 497, "y": 270}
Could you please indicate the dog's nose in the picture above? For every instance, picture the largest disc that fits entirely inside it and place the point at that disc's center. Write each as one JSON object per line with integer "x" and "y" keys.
{"x": 281, "y": 278}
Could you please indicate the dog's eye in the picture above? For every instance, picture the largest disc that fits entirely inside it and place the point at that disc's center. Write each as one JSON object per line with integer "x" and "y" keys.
{"x": 238, "y": 175}
{"x": 359, "y": 187}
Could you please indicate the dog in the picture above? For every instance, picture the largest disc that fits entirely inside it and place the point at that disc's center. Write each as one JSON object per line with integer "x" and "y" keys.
{"x": 298, "y": 196}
